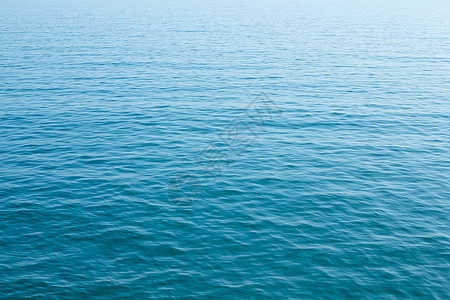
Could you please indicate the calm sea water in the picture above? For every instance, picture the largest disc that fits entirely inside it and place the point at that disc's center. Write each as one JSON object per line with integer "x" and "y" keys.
{"x": 132, "y": 167}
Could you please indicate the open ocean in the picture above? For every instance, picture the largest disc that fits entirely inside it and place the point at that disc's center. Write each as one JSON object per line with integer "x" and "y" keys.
{"x": 224, "y": 149}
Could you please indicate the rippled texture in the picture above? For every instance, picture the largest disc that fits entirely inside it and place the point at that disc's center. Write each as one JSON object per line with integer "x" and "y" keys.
{"x": 344, "y": 195}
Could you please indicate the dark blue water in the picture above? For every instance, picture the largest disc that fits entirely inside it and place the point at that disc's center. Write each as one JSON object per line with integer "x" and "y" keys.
{"x": 198, "y": 149}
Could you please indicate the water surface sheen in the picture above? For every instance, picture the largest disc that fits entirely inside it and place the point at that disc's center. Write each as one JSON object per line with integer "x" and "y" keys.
{"x": 345, "y": 195}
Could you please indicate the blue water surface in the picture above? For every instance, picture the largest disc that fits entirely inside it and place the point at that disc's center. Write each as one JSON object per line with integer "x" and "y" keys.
{"x": 224, "y": 149}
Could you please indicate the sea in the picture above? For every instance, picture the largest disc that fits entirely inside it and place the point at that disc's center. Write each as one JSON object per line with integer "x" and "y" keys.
{"x": 166, "y": 149}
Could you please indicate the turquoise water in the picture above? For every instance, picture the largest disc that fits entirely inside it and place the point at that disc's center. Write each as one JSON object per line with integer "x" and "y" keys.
{"x": 134, "y": 164}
